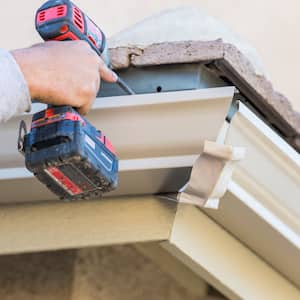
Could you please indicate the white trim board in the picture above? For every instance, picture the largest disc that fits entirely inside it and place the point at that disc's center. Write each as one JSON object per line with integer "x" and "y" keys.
{"x": 212, "y": 253}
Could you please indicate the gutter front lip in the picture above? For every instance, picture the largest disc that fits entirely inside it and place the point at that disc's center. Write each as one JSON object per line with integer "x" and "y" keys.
{"x": 151, "y": 99}
{"x": 260, "y": 210}
{"x": 152, "y": 163}
{"x": 261, "y": 207}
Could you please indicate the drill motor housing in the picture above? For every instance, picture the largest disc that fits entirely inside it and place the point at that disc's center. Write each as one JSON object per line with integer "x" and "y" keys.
{"x": 69, "y": 155}
{"x": 61, "y": 20}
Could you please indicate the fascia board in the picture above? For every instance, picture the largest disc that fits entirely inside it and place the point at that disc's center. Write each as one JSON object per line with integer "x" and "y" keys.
{"x": 59, "y": 225}
{"x": 261, "y": 207}
{"x": 152, "y": 133}
{"x": 222, "y": 260}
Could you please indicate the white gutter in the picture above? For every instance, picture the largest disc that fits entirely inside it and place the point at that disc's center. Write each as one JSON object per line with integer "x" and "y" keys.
{"x": 136, "y": 177}
{"x": 262, "y": 212}
{"x": 261, "y": 207}
{"x": 157, "y": 137}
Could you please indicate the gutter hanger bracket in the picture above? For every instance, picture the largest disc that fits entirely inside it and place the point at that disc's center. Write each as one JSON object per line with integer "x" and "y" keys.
{"x": 211, "y": 175}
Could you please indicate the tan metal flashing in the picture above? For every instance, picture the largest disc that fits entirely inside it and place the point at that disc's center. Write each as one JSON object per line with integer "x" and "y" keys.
{"x": 51, "y": 226}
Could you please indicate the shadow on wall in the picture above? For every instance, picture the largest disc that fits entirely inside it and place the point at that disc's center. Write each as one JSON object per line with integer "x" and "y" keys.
{"x": 110, "y": 273}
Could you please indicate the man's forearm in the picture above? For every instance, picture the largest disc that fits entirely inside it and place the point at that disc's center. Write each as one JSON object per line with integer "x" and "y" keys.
{"x": 14, "y": 93}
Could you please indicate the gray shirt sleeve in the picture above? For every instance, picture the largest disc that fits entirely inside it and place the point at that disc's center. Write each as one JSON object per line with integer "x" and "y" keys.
{"x": 14, "y": 93}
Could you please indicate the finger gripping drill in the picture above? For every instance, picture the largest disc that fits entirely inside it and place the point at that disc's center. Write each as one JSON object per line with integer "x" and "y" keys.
{"x": 63, "y": 150}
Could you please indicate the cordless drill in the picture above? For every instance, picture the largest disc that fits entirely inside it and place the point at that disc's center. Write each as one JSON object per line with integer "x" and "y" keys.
{"x": 63, "y": 150}
{"x": 61, "y": 20}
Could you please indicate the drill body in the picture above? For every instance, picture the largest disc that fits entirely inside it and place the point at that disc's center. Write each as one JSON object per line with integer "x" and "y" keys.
{"x": 61, "y": 20}
{"x": 69, "y": 155}
{"x": 63, "y": 150}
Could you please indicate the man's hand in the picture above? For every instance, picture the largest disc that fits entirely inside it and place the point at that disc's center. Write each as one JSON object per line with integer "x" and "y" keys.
{"x": 63, "y": 73}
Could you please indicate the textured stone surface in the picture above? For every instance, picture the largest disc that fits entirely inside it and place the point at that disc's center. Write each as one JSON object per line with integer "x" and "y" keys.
{"x": 167, "y": 53}
{"x": 121, "y": 57}
{"x": 179, "y": 52}
{"x": 227, "y": 61}
{"x": 182, "y": 24}
{"x": 263, "y": 88}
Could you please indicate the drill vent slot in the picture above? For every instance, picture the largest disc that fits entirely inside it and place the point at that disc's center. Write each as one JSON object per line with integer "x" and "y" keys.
{"x": 42, "y": 16}
{"x": 78, "y": 19}
{"x": 60, "y": 10}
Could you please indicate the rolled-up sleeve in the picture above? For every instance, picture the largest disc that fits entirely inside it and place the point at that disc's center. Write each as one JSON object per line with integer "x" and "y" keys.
{"x": 14, "y": 93}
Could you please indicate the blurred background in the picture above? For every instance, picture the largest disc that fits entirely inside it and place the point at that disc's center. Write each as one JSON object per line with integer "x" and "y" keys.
{"x": 271, "y": 26}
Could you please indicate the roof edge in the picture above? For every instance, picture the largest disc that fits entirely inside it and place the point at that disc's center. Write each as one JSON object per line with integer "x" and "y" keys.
{"x": 228, "y": 61}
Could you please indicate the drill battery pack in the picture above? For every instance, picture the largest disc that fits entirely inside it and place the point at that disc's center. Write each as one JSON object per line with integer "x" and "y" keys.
{"x": 69, "y": 155}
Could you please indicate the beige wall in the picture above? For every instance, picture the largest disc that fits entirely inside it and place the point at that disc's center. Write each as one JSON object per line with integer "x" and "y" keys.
{"x": 109, "y": 273}
{"x": 270, "y": 25}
